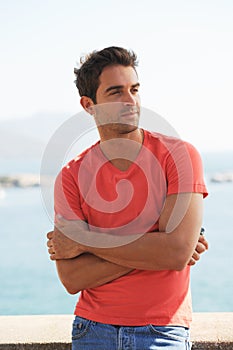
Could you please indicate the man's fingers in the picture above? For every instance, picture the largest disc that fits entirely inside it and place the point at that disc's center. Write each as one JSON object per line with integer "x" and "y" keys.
{"x": 196, "y": 256}
{"x": 49, "y": 244}
{"x": 200, "y": 248}
{"x": 50, "y": 235}
{"x": 203, "y": 241}
{"x": 192, "y": 262}
{"x": 51, "y": 251}
{"x": 53, "y": 257}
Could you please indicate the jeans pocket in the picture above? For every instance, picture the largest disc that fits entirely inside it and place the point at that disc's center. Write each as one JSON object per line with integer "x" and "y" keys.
{"x": 173, "y": 333}
{"x": 80, "y": 327}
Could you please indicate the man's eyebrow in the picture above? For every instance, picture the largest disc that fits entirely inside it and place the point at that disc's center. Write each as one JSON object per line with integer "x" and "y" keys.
{"x": 118, "y": 87}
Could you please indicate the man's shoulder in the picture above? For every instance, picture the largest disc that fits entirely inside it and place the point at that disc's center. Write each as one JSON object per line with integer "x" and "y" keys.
{"x": 154, "y": 136}
{"x": 169, "y": 146}
{"x": 74, "y": 163}
{"x": 169, "y": 141}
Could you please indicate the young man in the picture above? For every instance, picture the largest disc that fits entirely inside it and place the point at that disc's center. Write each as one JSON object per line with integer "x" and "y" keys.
{"x": 128, "y": 218}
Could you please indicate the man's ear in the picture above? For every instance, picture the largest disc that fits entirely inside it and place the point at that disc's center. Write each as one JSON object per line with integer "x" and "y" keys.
{"x": 87, "y": 104}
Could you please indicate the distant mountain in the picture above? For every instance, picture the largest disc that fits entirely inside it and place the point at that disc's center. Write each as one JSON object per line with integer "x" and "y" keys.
{"x": 28, "y": 137}
{"x": 15, "y": 144}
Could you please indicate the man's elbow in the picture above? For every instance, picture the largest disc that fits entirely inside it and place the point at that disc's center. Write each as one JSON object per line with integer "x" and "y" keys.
{"x": 181, "y": 254}
{"x": 181, "y": 261}
{"x": 177, "y": 265}
{"x": 180, "y": 265}
{"x": 71, "y": 288}
{"x": 175, "y": 260}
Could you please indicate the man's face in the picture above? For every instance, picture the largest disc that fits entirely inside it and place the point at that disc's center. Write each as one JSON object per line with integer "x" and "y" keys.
{"x": 117, "y": 97}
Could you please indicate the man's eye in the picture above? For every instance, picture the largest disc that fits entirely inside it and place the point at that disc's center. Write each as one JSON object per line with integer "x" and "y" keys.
{"x": 115, "y": 92}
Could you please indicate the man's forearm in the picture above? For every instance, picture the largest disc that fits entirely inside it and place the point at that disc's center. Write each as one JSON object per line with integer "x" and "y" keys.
{"x": 161, "y": 250}
{"x": 153, "y": 251}
{"x": 87, "y": 271}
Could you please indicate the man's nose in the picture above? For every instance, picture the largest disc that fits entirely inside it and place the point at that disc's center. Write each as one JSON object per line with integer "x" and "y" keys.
{"x": 130, "y": 99}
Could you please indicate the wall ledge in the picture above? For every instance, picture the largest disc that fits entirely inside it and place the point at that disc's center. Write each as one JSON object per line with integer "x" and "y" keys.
{"x": 52, "y": 332}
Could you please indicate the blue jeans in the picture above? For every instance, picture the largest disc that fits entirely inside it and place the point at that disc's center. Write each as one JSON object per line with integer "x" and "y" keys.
{"x": 90, "y": 335}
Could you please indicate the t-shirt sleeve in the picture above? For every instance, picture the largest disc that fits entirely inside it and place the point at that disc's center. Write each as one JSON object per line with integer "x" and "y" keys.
{"x": 184, "y": 170}
{"x": 66, "y": 196}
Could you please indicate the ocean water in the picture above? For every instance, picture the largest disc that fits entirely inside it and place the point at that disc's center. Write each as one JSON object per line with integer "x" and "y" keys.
{"x": 29, "y": 282}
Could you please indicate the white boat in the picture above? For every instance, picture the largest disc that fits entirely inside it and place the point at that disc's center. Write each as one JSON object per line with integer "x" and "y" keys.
{"x": 222, "y": 177}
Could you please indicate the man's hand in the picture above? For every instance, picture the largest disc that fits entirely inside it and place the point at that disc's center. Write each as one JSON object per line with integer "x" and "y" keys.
{"x": 201, "y": 247}
{"x": 62, "y": 247}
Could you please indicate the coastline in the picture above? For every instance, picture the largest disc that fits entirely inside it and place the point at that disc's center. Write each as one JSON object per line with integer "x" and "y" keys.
{"x": 19, "y": 180}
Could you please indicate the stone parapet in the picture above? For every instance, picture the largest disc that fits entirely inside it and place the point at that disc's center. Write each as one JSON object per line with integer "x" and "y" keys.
{"x": 209, "y": 331}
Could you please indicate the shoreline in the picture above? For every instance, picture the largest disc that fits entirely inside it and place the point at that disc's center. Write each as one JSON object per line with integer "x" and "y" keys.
{"x": 19, "y": 180}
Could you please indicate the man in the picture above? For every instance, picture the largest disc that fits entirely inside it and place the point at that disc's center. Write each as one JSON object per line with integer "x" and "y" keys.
{"x": 128, "y": 218}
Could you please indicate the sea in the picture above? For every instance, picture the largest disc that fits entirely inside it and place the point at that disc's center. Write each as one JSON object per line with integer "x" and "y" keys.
{"x": 28, "y": 278}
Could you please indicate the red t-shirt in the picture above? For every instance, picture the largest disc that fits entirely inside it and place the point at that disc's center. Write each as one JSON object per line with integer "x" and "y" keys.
{"x": 123, "y": 203}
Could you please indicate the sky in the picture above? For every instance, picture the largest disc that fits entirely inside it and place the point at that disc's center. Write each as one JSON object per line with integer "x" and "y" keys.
{"x": 184, "y": 48}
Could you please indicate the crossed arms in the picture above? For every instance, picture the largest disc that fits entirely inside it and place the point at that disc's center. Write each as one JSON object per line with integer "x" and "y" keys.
{"x": 177, "y": 244}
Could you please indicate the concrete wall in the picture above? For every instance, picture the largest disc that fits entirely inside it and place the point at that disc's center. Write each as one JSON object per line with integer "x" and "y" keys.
{"x": 52, "y": 332}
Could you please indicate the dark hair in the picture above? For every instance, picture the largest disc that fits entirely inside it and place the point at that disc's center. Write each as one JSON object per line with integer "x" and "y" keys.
{"x": 87, "y": 76}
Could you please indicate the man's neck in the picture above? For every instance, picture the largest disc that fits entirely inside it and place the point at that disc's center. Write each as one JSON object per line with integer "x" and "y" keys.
{"x": 122, "y": 151}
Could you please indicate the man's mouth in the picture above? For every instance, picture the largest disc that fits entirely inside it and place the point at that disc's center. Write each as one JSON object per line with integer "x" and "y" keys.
{"x": 129, "y": 113}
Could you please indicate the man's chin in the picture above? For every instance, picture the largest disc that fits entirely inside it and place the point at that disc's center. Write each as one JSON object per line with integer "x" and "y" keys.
{"x": 125, "y": 128}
